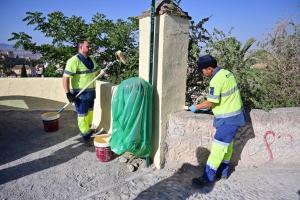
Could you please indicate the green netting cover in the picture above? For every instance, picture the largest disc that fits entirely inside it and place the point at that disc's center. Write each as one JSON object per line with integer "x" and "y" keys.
{"x": 132, "y": 118}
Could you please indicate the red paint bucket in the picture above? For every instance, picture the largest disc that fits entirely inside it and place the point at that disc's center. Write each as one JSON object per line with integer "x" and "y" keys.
{"x": 102, "y": 147}
{"x": 50, "y": 121}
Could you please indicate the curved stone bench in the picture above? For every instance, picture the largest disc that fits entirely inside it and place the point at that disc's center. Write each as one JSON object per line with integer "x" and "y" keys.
{"x": 52, "y": 89}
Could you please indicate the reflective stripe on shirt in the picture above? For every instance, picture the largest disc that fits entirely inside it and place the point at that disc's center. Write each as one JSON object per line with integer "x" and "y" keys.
{"x": 229, "y": 114}
{"x": 229, "y": 92}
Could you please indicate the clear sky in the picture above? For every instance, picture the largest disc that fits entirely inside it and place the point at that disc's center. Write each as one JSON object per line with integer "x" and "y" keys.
{"x": 249, "y": 18}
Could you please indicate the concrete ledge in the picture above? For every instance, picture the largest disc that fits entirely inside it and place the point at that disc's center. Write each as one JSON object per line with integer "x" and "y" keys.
{"x": 268, "y": 137}
{"x": 47, "y": 88}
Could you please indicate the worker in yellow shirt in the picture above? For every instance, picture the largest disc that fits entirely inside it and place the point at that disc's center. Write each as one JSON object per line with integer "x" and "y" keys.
{"x": 80, "y": 70}
{"x": 225, "y": 101}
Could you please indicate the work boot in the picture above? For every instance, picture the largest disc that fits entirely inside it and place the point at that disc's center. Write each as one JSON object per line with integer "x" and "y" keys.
{"x": 88, "y": 139}
{"x": 89, "y": 142}
{"x": 223, "y": 171}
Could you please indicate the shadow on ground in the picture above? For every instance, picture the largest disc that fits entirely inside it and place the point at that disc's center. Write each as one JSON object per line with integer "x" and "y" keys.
{"x": 58, "y": 157}
{"x": 178, "y": 186}
{"x": 22, "y": 133}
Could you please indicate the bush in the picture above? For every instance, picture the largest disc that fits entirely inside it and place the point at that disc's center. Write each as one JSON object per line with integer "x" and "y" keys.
{"x": 51, "y": 71}
{"x": 280, "y": 79}
{"x": 276, "y": 83}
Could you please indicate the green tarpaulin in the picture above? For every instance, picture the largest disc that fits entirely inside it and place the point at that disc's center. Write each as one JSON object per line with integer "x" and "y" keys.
{"x": 132, "y": 118}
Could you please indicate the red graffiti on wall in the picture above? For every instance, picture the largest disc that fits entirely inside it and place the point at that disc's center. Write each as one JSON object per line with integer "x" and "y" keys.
{"x": 274, "y": 136}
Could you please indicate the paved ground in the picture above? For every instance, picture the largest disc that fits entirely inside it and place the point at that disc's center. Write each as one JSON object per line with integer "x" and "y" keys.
{"x": 39, "y": 165}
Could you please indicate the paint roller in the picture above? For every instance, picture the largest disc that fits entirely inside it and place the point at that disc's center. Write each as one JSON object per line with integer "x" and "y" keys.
{"x": 120, "y": 58}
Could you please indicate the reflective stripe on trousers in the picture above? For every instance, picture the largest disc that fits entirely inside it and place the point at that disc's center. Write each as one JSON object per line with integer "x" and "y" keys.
{"x": 84, "y": 122}
{"x": 220, "y": 153}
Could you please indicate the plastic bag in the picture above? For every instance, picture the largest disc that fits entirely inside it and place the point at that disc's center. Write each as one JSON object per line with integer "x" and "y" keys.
{"x": 132, "y": 118}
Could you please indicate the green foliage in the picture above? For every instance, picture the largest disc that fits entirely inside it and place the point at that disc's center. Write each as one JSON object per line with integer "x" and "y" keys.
{"x": 268, "y": 76}
{"x": 120, "y": 72}
{"x": 259, "y": 87}
{"x": 279, "y": 54}
{"x": 7, "y": 63}
{"x": 51, "y": 71}
{"x": 123, "y": 36}
{"x": 23, "y": 72}
{"x": 11, "y": 62}
{"x": 105, "y": 36}
{"x": 198, "y": 37}
{"x": 230, "y": 53}
{"x": 263, "y": 89}
{"x": 276, "y": 84}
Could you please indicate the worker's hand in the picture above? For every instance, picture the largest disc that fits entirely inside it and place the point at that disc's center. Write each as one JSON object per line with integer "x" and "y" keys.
{"x": 71, "y": 97}
{"x": 193, "y": 108}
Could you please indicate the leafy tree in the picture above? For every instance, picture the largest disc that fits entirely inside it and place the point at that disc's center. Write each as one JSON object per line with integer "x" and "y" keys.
{"x": 281, "y": 44}
{"x": 229, "y": 52}
{"x": 50, "y": 71}
{"x": 4, "y": 69}
{"x": 105, "y": 37}
{"x": 279, "y": 55}
{"x": 198, "y": 38}
{"x": 275, "y": 85}
{"x": 269, "y": 75}
{"x": 23, "y": 71}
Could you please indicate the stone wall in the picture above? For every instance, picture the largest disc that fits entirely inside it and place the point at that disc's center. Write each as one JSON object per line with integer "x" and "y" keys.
{"x": 268, "y": 137}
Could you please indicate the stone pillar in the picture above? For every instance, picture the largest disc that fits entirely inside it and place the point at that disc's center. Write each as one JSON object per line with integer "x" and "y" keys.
{"x": 170, "y": 66}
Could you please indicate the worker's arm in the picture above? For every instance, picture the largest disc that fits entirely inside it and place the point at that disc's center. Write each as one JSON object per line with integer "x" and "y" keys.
{"x": 66, "y": 84}
{"x": 204, "y": 105}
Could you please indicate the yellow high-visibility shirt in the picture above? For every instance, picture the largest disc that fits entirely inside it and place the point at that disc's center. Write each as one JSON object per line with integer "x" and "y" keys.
{"x": 225, "y": 94}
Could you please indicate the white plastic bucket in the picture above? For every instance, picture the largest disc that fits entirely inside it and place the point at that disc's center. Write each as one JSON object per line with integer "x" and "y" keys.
{"x": 102, "y": 147}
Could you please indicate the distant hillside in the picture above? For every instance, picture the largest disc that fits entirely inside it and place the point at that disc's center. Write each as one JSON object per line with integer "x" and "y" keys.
{"x": 19, "y": 52}
{"x": 6, "y": 47}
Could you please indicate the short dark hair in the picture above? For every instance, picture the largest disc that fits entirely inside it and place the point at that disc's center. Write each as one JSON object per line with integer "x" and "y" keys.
{"x": 81, "y": 41}
{"x": 205, "y": 62}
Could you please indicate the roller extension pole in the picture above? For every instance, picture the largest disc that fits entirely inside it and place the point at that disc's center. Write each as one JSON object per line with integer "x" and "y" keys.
{"x": 120, "y": 58}
{"x": 79, "y": 93}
